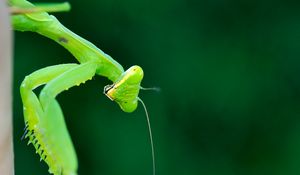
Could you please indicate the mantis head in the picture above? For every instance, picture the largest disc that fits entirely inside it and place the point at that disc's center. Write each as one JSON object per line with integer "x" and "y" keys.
{"x": 125, "y": 92}
{"x": 126, "y": 89}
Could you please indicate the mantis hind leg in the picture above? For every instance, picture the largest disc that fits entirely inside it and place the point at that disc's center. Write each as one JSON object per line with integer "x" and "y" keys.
{"x": 35, "y": 117}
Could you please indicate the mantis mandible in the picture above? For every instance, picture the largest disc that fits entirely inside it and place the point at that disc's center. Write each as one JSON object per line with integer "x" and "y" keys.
{"x": 44, "y": 122}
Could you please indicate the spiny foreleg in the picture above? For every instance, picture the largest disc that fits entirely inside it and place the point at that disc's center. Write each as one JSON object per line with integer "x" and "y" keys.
{"x": 36, "y": 128}
{"x": 62, "y": 149}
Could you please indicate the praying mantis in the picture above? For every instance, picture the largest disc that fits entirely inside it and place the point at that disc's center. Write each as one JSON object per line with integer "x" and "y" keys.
{"x": 44, "y": 122}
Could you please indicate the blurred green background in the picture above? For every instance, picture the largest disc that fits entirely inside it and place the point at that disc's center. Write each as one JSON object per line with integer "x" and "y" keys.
{"x": 229, "y": 74}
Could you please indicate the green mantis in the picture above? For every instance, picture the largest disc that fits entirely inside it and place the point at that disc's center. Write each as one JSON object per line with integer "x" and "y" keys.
{"x": 44, "y": 122}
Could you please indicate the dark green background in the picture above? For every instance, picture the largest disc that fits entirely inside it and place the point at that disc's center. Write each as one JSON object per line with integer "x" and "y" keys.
{"x": 229, "y": 74}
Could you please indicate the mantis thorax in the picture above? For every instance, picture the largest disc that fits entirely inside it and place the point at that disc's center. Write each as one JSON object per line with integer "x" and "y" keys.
{"x": 126, "y": 89}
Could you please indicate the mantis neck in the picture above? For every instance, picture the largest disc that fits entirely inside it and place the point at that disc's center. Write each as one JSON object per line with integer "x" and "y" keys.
{"x": 84, "y": 51}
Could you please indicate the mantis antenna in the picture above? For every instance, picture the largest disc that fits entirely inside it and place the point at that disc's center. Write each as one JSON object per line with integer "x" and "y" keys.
{"x": 150, "y": 134}
{"x": 156, "y": 89}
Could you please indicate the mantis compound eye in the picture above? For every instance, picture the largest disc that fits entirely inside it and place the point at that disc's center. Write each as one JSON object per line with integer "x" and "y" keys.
{"x": 125, "y": 91}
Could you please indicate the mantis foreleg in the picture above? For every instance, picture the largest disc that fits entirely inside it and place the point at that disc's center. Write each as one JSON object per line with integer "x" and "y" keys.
{"x": 44, "y": 127}
{"x": 31, "y": 103}
{"x": 73, "y": 77}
